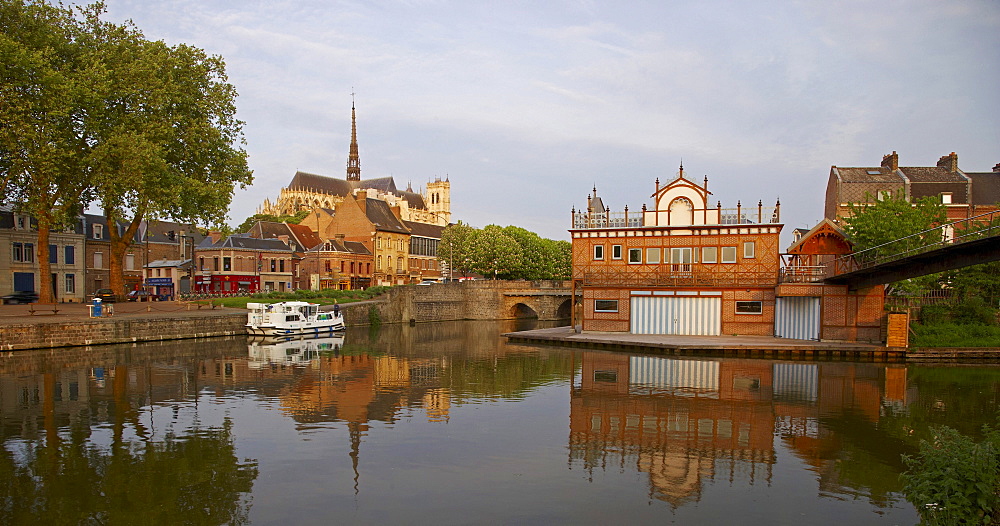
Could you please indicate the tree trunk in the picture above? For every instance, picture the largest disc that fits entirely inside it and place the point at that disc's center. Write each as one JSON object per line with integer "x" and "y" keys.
{"x": 118, "y": 246}
{"x": 44, "y": 267}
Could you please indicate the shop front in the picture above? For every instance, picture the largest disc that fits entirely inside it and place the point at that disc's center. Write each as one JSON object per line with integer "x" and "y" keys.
{"x": 161, "y": 288}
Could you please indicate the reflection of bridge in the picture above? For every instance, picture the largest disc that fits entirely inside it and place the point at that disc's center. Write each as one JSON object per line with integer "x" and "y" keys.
{"x": 946, "y": 247}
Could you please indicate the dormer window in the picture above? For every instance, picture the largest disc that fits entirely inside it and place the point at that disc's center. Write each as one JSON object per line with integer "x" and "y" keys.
{"x": 98, "y": 231}
{"x": 946, "y": 198}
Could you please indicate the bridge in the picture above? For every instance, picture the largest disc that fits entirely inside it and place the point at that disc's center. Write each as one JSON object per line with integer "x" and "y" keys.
{"x": 950, "y": 246}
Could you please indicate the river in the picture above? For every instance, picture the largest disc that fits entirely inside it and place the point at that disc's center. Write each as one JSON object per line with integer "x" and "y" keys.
{"x": 449, "y": 424}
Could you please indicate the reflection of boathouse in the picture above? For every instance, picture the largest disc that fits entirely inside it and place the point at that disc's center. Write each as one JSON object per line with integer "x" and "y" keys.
{"x": 685, "y": 421}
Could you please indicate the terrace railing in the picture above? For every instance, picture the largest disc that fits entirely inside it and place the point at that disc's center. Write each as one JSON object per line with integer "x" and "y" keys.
{"x": 631, "y": 278}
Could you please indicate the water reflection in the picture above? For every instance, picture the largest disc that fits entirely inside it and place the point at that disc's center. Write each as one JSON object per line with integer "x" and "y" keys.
{"x": 685, "y": 421}
{"x": 384, "y": 423}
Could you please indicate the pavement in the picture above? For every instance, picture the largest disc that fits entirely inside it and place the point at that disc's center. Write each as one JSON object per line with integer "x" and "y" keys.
{"x": 661, "y": 342}
{"x": 63, "y": 312}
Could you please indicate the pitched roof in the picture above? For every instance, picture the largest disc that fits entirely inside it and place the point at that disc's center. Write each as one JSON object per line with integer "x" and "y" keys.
{"x": 250, "y": 243}
{"x": 874, "y": 174}
{"x": 357, "y": 247}
{"x": 344, "y": 188}
{"x": 332, "y": 245}
{"x": 305, "y": 235}
{"x": 381, "y": 216}
{"x": 424, "y": 229}
{"x": 932, "y": 174}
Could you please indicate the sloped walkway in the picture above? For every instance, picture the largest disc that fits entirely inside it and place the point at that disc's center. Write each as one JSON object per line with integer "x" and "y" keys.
{"x": 67, "y": 312}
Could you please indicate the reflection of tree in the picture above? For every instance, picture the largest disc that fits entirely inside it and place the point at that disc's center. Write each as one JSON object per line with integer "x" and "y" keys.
{"x": 194, "y": 479}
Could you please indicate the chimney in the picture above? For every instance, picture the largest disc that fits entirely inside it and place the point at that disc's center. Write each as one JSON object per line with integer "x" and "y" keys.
{"x": 397, "y": 212}
{"x": 215, "y": 235}
{"x": 339, "y": 238}
{"x": 283, "y": 238}
{"x": 949, "y": 162}
{"x": 890, "y": 162}
{"x": 996, "y": 169}
{"x": 362, "y": 198}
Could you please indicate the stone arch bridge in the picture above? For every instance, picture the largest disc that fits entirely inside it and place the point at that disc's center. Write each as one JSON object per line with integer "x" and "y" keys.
{"x": 471, "y": 300}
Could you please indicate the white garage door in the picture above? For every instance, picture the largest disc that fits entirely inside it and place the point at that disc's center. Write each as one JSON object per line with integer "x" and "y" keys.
{"x": 797, "y": 317}
{"x": 681, "y": 315}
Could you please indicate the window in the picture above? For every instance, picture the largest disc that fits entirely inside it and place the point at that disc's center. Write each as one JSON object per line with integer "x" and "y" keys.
{"x": 130, "y": 262}
{"x": 70, "y": 284}
{"x": 98, "y": 260}
{"x": 274, "y": 265}
{"x": 749, "y": 307}
{"x": 281, "y": 265}
{"x": 598, "y": 251}
{"x": 652, "y": 256}
{"x": 748, "y": 249}
{"x": 29, "y": 252}
{"x": 201, "y": 263}
{"x": 680, "y": 259}
{"x": 729, "y": 254}
{"x": 616, "y": 251}
{"x": 18, "y": 251}
{"x": 70, "y": 255}
{"x": 53, "y": 254}
{"x": 98, "y": 231}
{"x": 605, "y": 305}
{"x": 635, "y": 255}
{"x": 946, "y": 198}
{"x": 710, "y": 254}
{"x": 227, "y": 264}
{"x": 215, "y": 263}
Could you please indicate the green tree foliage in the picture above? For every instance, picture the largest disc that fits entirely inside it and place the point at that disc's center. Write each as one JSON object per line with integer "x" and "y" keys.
{"x": 493, "y": 253}
{"x": 879, "y": 224}
{"x": 876, "y": 230}
{"x": 453, "y": 248}
{"x": 249, "y": 222}
{"x": 95, "y": 111}
{"x": 536, "y": 261}
{"x": 45, "y": 96}
{"x": 164, "y": 131}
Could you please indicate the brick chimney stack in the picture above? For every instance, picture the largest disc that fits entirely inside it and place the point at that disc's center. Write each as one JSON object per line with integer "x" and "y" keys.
{"x": 996, "y": 169}
{"x": 362, "y": 197}
{"x": 339, "y": 238}
{"x": 949, "y": 162}
{"x": 215, "y": 235}
{"x": 890, "y": 162}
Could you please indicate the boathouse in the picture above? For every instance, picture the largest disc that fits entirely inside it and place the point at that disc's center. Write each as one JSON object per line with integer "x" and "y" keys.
{"x": 685, "y": 267}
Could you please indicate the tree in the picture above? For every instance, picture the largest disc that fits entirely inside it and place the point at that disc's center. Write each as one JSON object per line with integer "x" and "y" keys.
{"x": 561, "y": 256}
{"x": 535, "y": 259}
{"x": 164, "y": 133}
{"x": 491, "y": 252}
{"x": 879, "y": 228}
{"x": 45, "y": 97}
{"x": 453, "y": 248}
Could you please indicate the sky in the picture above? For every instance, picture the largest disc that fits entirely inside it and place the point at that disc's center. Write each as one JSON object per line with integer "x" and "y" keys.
{"x": 527, "y": 106}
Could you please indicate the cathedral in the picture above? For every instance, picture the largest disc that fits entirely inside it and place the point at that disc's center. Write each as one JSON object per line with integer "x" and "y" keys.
{"x": 309, "y": 191}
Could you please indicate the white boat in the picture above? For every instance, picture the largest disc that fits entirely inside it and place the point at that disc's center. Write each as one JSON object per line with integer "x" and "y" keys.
{"x": 291, "y": 317}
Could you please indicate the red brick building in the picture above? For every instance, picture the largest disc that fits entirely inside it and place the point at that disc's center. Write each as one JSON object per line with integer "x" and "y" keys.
{"x": 242, "y": 264}
{"x": 337, "y": 264}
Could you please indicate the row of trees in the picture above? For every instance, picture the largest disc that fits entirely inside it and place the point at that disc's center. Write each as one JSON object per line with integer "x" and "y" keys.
{"x": 94, "y": 113}
{"x": 504, "y": 253}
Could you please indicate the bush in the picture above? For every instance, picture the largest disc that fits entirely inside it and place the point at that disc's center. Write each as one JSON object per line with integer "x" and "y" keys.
{"x": 974, "y": 311}
{"x": 953, "y": 479}
{"x": 934, "y": 314}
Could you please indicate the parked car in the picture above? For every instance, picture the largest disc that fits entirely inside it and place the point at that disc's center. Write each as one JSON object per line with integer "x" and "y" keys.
{"x": 106, "y": 295}
{"x": 21, "y": 296}
{"x": 139, "y": 295}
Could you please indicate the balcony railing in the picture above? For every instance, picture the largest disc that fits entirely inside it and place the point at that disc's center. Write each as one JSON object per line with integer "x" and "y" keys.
{"x": 661, "y": 279}
{"x": 754, "y": 215}
{"x": 803, "y": 274}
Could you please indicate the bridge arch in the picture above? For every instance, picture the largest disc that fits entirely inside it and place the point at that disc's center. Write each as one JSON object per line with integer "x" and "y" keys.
{"x": 565, "y": 309}
{"x": 521, "y": 310}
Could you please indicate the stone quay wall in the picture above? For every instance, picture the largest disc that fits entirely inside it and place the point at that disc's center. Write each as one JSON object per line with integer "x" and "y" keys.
{"x": 99, "y": 331}
{"x": 468, "y": 300}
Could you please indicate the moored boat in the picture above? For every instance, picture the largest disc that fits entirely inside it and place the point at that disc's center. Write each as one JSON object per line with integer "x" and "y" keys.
{"x": 291, "y": 317}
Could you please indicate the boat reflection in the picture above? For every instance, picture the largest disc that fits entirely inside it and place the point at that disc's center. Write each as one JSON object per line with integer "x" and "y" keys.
{"x": 289, "y": 350}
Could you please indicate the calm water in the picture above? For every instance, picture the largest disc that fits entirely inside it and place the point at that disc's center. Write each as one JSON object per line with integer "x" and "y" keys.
{"x": 448, "y": 424}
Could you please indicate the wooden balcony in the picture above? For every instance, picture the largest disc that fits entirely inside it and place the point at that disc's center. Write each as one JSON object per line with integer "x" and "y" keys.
{"x": 632, "y": 278}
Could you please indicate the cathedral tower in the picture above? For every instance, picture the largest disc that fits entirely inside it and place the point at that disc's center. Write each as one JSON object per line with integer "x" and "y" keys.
{"x": 438, "y": 200}
{"x": 353, "y": 159}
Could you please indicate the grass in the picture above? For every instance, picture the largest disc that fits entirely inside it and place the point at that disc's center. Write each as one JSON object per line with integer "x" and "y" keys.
{"x": 955, "y": 335}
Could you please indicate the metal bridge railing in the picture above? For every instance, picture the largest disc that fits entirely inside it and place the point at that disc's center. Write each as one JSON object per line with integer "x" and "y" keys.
{"x": 956, "y": 232}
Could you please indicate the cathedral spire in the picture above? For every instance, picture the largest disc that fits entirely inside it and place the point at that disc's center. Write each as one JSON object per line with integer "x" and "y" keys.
{"x": 353, "y": 159}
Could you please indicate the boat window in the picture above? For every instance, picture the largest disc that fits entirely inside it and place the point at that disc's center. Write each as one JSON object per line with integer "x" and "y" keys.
{"x": 292, "y": 317}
